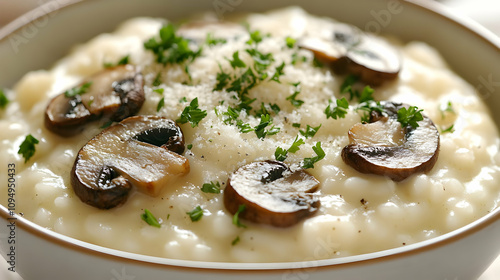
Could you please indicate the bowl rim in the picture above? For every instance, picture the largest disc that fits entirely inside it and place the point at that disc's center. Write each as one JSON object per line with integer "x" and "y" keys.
{"x": 70, "y": 243}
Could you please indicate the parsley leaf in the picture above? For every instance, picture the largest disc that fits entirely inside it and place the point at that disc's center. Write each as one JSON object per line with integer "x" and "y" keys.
{"x": 192, "y": 114}
{"x": 170, "y": 48}
{"x": 78, "y": 90}
{"x": 449, "y": 109}
{"x": 368, "y": 107}
{"x": 366, "y": 94}
{"x": 281, "y": 154}
{"x": 409, "y": 116}
{"x": 161, "y": 104}
{"x": 450, "y": 129}
{"x": 261, "y": 61}
{"x": 3, "y": 99}
{"x": 195, "y": 214}
{"x": 222, "y": 79}
{"x": 261, "y": 132}
{"x": 320, "y": 154}
{"x": 157, "y": 80}
{"x": 279, "y": 72}
{"x": 27, "y": 147}
{"x": 235, "y": 241}
{"x": 338, "y": 111}
{"x": 123, "y": 61}
{"x": 236, "y": 217}
{"x": 212, "y": 41}
{"x": 149, "y": 218}
{"x": 237, "y": 62}
{"x": 211, "y": 187}
{"x": 255, "y": 38}
{"x": 310, "y": 131}
{"x": 290, "y": 42}
{"x": 293, "y": 98}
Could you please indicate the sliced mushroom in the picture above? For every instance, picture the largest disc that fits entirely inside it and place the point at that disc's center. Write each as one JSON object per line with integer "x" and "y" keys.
{"x": 272, "y": 193}
{"x": 351, "y": 51}
{"x": 383, "y": 147}
{"x": 140, "y": 151}
{"x": 115, "y": 93}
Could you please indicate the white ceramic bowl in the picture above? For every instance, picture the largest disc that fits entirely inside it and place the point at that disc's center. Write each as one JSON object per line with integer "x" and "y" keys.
{"x": 39, "y": 38}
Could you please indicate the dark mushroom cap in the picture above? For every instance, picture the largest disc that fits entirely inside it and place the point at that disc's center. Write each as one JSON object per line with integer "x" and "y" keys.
{"x": 351, "y": 51}
{"x": 375, "y": 148}
{"x": 115, "y": 93}
{"x": 272, "y": 193}
{"x": 134, "y": 152}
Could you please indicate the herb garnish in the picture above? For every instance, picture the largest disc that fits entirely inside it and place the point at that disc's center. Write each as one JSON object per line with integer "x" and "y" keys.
{"x": 281, "y": 154}
{"x": 265, "y": 121}
{"x": 161, "y": 104}
{"x": 192, "y": 114}
{"x": 279, "y": 72}
{"x": 236, "y": 217}
{"x": 195, "y": 214}
{"x": 78, "y": 90}
{"x": 290, "y": 42}
{"x": 293, "y": 98}
{"x": 450, "y": 129}
{"x": 310, "y": 131}
{"x": 338, "y": 111}
{"x": 449, "y": 109}
{"x": 149, "y": 218}
{"x": 237, "y": 62}
{"x": 157, "y": 80}
{"x": 3, "y": 99}
{"x": 409, "y": 116}
{"x": 212, "y": 41}
{"x": 170, "y": 48}
{"x": 235, "y": 241}
{"x": 211, "y": 187}
{"x": 320, "y": 154}
{"x": 123, "y": 61}
{"x": 27, "y": 147}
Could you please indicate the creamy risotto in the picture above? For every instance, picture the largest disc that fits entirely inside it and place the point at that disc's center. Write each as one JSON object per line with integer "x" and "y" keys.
{"x": 257, "y": 94}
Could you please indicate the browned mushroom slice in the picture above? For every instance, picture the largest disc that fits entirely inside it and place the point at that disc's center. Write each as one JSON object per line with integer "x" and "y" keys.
{"x": 383, "y": 147}
{"x": 135, "y": 152}
{"x": 114, "y": 93}
{"x": 272, "y": 193}
{"x": 351, "y": 51}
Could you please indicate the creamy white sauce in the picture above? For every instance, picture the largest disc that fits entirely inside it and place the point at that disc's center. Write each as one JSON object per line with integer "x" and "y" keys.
{"x": 360, "y": 213}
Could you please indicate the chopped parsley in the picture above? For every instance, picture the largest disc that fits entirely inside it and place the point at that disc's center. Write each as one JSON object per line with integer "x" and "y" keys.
{"x": 293, "y": 98}
{"x": 237, "y": 62}
{"x": 290, "y": 42}
{"x": 320, "y": 154}
{"x": 212, "y": 41}
{"x": 3, "y": 99}
{"x": 161, "y": 104}
{"x": 255, "y": 37}
{"x": 170, "y": 48}
{"x": 448, "y": 108}
{"x": 450, "y": 129}
{"x": 267, "y": 109}
{"x": 279, "y": 72}
{"x": 27, "y": 147}
{"x": 78, "y": 90}
{"x": 310, "y": 131}
{"x": 236, "y": 217}
{"x": 192, "y": 114}
{"x": 159, "y": 90}
{"x": 222, "y": 79}
{"x": 260, "y": 129}
{"x": 368, "y": 107}
{"x": 338, "y": 111}
{"x": 211, "y": 187}
{"x": 409, "y": 116}
{"x": 149, "y": 218}
{"x": 189, "y": 146}
{"x": 235, "y": 241}
{"x": 195, "y": 214}
{"x": 281, "y": 154}
{"x": 261, "y": 61}
{"x": 157, "y": 80}
{"x": 123, "y": 61}
{"x": 347, "y": 87}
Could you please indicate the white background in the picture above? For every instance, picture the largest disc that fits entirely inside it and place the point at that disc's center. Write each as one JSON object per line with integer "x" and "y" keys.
{"x": 486, "y": 12}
